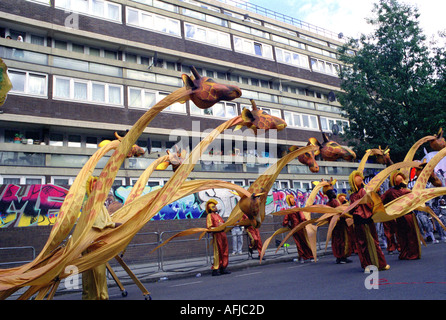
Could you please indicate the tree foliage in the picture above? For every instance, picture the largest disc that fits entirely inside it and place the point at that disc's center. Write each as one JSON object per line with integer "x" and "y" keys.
{"x": 391, "y": 88}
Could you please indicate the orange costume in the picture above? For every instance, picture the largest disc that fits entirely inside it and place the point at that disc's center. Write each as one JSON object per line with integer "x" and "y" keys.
{"x": 367, "y": 242}
{"x": 219, "y": 239}
{"x": 300, "y": 237}
{"x": 407, "y": 230}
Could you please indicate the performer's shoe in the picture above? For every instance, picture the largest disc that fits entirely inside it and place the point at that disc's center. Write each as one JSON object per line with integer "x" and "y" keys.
{"x": 387, "y": 267}
{"x": 342, "y": 260}
{"x": 224, "y": 271}
{"x": 215, "y": 273}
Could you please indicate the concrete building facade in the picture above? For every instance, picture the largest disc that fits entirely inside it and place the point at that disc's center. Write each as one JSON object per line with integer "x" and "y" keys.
{"x": 89, "y": 68}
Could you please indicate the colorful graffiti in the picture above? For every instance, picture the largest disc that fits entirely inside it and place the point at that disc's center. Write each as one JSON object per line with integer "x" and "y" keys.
{"x": 38, "y": 205}
{"x": 30, "y": 205}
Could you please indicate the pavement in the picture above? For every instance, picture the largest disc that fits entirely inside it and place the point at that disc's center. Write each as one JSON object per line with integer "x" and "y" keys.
{"x": 193, "y": 267}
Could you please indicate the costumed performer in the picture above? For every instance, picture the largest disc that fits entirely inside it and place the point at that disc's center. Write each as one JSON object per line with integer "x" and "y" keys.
{"x": 300, "y": 237}
{"x": 94, "y": 281}
{"x": 366, "y": 237}
{"x": 255, "y": 241}
{"x": 219, "y": 239}
{"x": 342, "y": 198}
{"x": 407, "y": 229}
{"x": 340, "y": 240}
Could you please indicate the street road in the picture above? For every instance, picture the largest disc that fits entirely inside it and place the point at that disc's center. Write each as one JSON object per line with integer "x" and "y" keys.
{"x": 406, "y": 280}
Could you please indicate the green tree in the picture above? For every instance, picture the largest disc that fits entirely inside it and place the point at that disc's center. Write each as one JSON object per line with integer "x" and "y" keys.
{"x": 389, "y": 92}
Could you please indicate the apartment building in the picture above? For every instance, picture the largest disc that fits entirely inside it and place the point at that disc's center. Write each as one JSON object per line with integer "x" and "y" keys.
{"x": 89, "y": 68}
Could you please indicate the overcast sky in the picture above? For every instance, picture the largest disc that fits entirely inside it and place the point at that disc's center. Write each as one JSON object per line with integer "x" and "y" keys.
{"x": 348, "y": 16}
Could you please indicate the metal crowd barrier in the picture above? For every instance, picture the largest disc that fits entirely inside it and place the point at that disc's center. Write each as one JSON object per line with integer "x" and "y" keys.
{"x": 195, "y": 260}
{"x": 33, "y": 250}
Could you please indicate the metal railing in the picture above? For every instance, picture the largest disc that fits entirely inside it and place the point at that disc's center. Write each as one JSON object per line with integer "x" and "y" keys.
{"x": 33, "y": 250}
{"x": 282, "y": 18}
{"x": 166, "y": 258}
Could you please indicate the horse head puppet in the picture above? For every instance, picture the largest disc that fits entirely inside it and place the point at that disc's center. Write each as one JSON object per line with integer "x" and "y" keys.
{"x": 331, "y": 150}
{"x": 307, "y": 159}
{"x": 433, "y": 178}
{"x": 438, "y": 143}
{"x": 251, "y": 207}
{"x": 257, "y": 119}
{"x": 383, "y": 156}
{"x": 205, "y": 92}
{"x": 136, "y": 151}
{"x": 175, "y": 159}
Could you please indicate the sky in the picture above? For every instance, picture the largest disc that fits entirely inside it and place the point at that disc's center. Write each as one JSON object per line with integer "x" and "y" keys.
{"x": 349, "y": 16}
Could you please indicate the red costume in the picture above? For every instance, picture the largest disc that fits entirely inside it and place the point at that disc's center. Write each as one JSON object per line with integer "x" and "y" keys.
{"x": 367, "y": 242}
{"x": 340, "y": 240}
{"x": 407, "y": 230}
{"x": 300, "y": 237}
{"x": 390, "y": 233}
{"x": 255, "y": 242}
{"x": 219, "y": 239}
{"x": 342, "y": 198}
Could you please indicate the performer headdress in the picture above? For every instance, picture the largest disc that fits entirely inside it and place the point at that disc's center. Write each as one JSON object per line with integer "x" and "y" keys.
{"x": 351, "y": 179}
{"x": 210, "y": 206}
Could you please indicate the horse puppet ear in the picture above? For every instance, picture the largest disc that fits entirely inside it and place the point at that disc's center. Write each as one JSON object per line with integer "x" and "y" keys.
{"x": 188, "y": 82}
{"x": 314, "y": 142}
{"x": 325, "y": 137}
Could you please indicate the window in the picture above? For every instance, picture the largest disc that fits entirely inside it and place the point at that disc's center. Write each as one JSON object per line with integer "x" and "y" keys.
{"x": 34, "y": 180}
{"x": 249, "y": 30}
{"x": 314, "y": 40}
{"x": 97, "y": 8}
{"x": 98, "y": 92}
{"x": 273, "y": 112}
{"x": 6, "y": 179}
{"x": 281, "y": 184}
{"x": 204, "y": 17}
{"x": 147, "y": 20}
{"x": 302, "y": 185}
{"x": 209, "y": 36}
{"x": 292, "y": 58}
{"x": 141, "y": 98}
{"x": 301, "y": 120}
{"x": 29, "y": 83}
{"x": 176, "y": 107}
{"x": 87, "y": 91}
{"x": 62, "y": 181}
{"x": 324, "y": 67}
{"x": 77, "y": 48}
{"x": 56, "y": 139}
{"x": 221, "y": 110}
{"x": 47, "y": 2}
{"x": 252, "y": 47}
{"x": 91, "y": 142}
{"x": 327, "y": 124}
{"x": 74, "y": 141}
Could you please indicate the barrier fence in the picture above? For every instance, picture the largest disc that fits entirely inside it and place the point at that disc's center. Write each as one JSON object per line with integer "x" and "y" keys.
{"x": 179, "y": 255}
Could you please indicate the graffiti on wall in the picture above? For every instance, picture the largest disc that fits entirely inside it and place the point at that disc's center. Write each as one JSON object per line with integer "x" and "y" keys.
{"x": 30, "y": 205}
{"x": 38, "y": 205}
